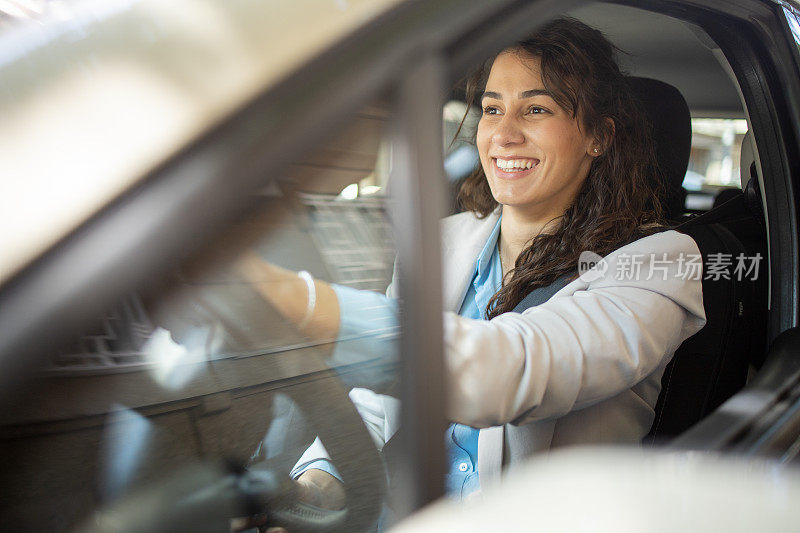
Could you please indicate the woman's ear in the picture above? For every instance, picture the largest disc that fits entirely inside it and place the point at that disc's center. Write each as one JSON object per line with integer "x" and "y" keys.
{"x": 603, "y": 139}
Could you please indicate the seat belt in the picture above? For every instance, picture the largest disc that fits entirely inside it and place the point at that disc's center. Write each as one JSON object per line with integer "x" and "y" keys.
{"x": 540, "y": 295}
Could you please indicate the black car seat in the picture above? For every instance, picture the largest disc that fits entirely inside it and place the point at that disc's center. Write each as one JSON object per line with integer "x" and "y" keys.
{"x": 672, "y": 136}
{"x": 712, "y": 365}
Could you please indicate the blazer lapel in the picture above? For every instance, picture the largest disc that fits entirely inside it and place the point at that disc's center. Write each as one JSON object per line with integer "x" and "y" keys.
{"x": 463, "y": 238}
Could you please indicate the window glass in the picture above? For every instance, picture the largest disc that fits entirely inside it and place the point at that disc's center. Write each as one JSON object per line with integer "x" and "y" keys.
{"x": 460, "y": 153}
{"x": 793, "y": 19}
{"x": 714, "y": 160}
{"x": 231, "y": 359}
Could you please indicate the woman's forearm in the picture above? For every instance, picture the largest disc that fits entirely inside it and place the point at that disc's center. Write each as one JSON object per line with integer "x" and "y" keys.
{"x": 289, "y": 294}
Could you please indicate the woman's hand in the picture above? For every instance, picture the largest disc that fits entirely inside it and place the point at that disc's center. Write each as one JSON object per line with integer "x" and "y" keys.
{"x": 314, "y": 487}
{"x": 290, "y": 295}
{"x": 320, "y": 489}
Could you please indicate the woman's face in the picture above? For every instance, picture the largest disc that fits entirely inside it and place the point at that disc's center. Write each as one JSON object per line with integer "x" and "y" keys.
{"x": 533, "y": 152}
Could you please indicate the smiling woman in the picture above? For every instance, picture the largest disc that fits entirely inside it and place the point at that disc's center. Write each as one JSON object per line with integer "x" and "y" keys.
{"x": 535, "y": 155}
{"x": 535, "y": 357}
{"x": 559, "y": 103}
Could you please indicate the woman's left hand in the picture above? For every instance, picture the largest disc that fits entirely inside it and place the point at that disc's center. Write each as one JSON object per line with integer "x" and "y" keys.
{"x": 290, "y": 295}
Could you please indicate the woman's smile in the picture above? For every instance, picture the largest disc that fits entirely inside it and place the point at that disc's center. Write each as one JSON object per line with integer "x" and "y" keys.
{"x": 513, "y": 167}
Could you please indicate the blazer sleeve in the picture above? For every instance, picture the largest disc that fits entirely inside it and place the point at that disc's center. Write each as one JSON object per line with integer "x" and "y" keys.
{"x": 600, "y": 335}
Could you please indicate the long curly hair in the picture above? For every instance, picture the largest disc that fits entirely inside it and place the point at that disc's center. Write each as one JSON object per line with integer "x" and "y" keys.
{"x": 619, "y": 201}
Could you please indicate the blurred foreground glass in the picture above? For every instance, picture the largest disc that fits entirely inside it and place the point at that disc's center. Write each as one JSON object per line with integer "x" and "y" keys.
{"x": 199, "y": 368}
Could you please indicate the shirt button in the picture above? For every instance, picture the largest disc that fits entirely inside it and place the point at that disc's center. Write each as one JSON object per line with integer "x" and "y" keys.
{"x": 463, "y": 467}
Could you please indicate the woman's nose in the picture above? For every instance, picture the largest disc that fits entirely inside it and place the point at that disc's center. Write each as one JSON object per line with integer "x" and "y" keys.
{"x": 507, "y": 132}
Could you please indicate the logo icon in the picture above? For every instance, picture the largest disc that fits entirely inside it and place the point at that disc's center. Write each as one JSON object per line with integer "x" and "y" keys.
{"x": 591, "y": 266}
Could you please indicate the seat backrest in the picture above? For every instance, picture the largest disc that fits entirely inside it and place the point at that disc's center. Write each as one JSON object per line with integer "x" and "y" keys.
{"x": 712, "y": 365}
{"x": 709, "y": 367}
{"x": 672, "y": 136}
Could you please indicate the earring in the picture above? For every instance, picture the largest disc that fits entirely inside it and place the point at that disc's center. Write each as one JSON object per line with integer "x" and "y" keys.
{"x": 596, "y": 151}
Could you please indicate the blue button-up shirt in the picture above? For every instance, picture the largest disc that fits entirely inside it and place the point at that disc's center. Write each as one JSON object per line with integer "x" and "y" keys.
{"x": 364, "y": 311}
{"x": 462, "y": 441}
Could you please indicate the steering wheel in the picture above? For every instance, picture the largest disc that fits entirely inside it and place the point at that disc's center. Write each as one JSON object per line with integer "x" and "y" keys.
{"x": 351, "y": 449}
{"x": 203, "y": 498}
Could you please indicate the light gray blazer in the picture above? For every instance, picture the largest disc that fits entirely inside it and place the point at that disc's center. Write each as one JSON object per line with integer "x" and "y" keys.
{"x": 584, "y": 367}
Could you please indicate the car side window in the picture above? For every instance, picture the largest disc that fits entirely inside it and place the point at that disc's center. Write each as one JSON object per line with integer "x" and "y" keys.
{"x": 714, "y": 174}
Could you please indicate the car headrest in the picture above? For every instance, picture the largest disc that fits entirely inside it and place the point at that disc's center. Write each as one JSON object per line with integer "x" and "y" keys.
{"x": 672, "y": 135}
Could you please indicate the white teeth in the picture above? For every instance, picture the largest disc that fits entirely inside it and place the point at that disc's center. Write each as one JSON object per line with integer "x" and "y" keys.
{"x": 512, "y": 164}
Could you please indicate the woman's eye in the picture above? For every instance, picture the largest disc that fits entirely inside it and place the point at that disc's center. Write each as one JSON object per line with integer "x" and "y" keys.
{"x": 490, "y": 110}
{"x": 533, "y": 110}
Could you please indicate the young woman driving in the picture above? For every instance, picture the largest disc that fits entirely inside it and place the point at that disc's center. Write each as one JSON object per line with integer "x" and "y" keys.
{"x": 567, "y": 166}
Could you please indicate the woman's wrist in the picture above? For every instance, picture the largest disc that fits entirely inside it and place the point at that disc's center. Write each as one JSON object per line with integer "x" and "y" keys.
{"x": 310, "y": 304}
{"x": 311, "y": 298}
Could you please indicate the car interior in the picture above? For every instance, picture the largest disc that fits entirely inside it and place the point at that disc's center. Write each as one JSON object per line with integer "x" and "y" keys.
{"x": 193, "y": 366}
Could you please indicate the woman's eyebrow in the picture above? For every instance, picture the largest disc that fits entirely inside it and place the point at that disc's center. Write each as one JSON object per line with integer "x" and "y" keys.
{"x": 534, "y": 92}
{"x": 524, "y": 94}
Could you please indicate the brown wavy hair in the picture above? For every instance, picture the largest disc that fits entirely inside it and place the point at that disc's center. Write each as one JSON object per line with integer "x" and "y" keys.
{"x": 619, "y": 201}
